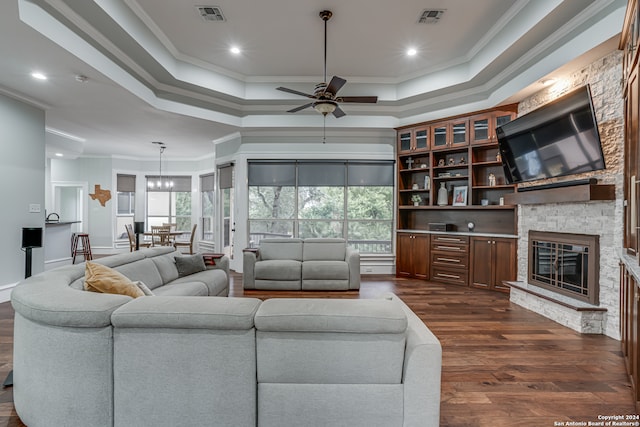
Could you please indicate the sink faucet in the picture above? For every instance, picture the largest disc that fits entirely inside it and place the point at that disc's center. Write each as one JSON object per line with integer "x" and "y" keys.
{"x": 53, "y": 213}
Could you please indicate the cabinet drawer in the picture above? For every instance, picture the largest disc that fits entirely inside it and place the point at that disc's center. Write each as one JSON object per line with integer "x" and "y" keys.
{"x": 450, "y": 247}
{"x": 450, "y": 260}
{"x": 449, "y": 239}
{"x": 449, "y": 275}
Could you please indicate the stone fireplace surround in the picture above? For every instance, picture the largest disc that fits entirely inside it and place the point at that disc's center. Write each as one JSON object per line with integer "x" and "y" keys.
{"x": 604, "y": 218}
{"x": 580, "y": 218}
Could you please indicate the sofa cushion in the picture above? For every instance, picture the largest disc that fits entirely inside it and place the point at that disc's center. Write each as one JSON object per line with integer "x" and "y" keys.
{"x": 100, "y": 278}
{"x": 281, "y": 249}
{"x": 324, "y": 249}
{"x": 320, "y": 341}
{"x": 322, "y": 315}
{"x": 166, "y": 265}
{"x": 215, "y": 279}
{"x": 190, "y": 264}
{"x": 325, "y": 270}
{"x": 144, "y": 270}
{"x": 191, "y": 288}
{"x": 283, "y": 269}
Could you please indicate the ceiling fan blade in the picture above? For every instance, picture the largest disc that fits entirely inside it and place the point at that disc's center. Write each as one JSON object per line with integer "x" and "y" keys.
{"x": 302, "y": 107}
{"x": 360, "y": 99}
{"x": 335, "y": 84}
{"x": 338, "y": 113}
{"x": 295, "y": 92}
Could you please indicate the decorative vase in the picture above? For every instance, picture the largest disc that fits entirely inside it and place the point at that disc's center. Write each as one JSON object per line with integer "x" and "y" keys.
{"x": 443, "y": 195}
{"x": 427, "y": 182}
{"x": 492, "y": 180}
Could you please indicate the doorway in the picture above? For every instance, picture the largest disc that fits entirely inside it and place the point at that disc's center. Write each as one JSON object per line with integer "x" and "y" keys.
{"x": 69, "y": 203}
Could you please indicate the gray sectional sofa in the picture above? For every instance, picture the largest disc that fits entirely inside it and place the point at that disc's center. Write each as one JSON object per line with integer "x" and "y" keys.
{"x": 87, "y": 359}
{"x": 297, "y": 264}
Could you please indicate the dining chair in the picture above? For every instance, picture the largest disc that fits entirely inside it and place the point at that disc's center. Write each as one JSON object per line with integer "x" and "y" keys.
{"x": 160, "y": 235}
{"x": 177, "y": 243}
{"x": 132, "y": 239}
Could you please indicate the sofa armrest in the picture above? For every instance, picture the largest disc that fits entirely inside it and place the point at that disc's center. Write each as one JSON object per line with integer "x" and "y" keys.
{"x": 221, "y": 263}
{"x": 249, "y": 258}
{"x": 353, "y": 260}
{"x": 421, "y": 373}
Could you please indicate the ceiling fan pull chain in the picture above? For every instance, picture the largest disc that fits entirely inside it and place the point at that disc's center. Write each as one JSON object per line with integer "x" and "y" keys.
{"x": 324, "y": 128}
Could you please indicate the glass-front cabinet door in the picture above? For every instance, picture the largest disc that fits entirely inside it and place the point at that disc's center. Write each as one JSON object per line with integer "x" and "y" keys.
{"x": 421, "y": 139}
{"x": 404, "y": 141}
{"x": 481, "y": 131}
{"x": 459, "y": 134}
{"x": 440, "y": 137}
{"x": 502, "y": 119}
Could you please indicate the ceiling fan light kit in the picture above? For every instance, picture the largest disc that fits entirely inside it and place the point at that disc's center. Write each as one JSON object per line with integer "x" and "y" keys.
{"x": 326, "y": 101}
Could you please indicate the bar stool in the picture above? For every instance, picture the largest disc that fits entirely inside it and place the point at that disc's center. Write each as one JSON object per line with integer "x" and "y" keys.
{"x": 84, "y": 250}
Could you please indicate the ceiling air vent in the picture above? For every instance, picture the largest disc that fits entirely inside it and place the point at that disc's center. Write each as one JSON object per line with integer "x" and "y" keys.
{"x": 430, "y": 16}
{"x": 211, "y": 13}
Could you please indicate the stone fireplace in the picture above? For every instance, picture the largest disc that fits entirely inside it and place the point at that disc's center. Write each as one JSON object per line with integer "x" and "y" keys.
{"x": 601, "y": 218}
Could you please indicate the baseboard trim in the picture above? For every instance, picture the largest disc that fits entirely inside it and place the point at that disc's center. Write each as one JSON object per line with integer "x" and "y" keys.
{"x": 5, "y": 292}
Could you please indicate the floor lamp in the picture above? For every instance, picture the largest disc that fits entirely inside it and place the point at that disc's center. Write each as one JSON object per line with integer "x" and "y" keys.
{"x": 31, "y": 238}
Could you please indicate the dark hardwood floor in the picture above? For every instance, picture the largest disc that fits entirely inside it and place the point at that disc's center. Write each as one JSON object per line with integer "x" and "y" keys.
{"x": 502, "y": 365}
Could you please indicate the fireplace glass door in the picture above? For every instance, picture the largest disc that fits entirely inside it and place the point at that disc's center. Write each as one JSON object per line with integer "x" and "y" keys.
{"x": 564, "y": 263}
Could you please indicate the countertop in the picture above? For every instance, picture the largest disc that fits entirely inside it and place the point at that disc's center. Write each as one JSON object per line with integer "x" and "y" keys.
{"x": 60, "y": 222}
{"x": 460, "y": 233}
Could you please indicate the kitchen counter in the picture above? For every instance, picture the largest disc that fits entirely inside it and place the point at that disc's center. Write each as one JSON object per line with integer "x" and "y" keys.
{"x": 57, "y": 243}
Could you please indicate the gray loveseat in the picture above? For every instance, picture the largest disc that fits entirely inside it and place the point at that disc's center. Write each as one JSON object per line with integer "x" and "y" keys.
{"x": 297, "y": 264}
{"x": 85, "y": 359}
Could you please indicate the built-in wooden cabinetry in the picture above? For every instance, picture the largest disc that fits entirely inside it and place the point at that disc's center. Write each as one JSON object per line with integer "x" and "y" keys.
{"x": 494, "y": 261}
{"x": 629, "y": 286}
{"x": 450, "y": 259}
{"x": 460, "y": 154}
{"x": 413, "y": 249}
{"x": 630, "y": 327}
{"x": 629, "y": 44}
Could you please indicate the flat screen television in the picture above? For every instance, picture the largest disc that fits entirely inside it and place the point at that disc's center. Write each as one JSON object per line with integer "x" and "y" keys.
{"x": 558, "y": 139}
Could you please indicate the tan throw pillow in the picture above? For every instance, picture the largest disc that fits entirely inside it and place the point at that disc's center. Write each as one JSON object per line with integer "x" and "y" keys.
{"x": 100, "y": 278}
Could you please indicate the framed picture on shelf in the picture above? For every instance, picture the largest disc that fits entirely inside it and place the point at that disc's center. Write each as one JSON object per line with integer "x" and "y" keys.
{"x": 460, "y": 196}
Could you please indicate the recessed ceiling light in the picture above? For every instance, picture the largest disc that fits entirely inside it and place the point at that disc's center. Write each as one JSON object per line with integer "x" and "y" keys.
{"x": 38, "y": 75}
{"x": 411, "y": 52}
{"x": 235, "y": 50}
{"x": 59, "y": 155}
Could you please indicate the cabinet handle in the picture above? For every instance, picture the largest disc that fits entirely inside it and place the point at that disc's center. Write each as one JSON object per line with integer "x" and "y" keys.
{"x": 449, "y": 239}
{"x": 448, "y": 248}
{"x": 452, "y": 276}
{"x": 448, "y": 259}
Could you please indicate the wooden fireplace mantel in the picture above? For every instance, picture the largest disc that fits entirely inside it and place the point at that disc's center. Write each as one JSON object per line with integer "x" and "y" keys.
{"x": 572, "y": 194}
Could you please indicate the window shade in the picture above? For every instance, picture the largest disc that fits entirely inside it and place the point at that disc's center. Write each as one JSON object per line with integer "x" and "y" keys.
{"x": 272, "y": 173}
{"x": 321, "y": 174}
{"x": 370, "y": 173}
{"x": 126, "y": 183}
{"x": 207, "y": 182}
{"x": 225, "y": 175}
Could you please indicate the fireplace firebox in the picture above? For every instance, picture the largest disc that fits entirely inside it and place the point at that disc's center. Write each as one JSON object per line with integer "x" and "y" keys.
{"x": 565, "y": 263}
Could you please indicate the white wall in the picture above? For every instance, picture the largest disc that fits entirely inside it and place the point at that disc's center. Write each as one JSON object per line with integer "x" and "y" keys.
{"x": 22, "y": 174}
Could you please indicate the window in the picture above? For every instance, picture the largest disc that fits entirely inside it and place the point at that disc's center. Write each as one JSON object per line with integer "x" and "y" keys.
{"x": 348, "y": 199}
{"x": 125, "y": 204}
{"x": 207, "y": 203}
{"x": 169, "y": 205}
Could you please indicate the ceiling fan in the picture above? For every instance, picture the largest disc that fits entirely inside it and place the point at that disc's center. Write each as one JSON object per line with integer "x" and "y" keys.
{"x": 324, "y": 95}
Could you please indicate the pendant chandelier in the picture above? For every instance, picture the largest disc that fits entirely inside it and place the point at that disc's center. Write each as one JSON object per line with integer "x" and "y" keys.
{"x": 161, "y": 182}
